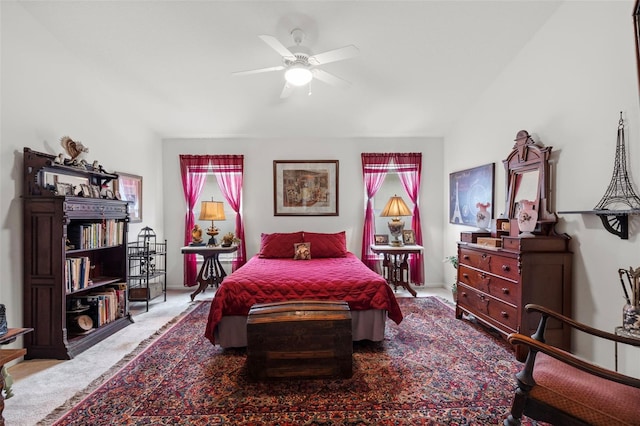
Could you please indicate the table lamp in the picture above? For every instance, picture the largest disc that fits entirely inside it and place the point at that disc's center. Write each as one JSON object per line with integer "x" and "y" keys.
{"x": 395, "y": 208}
{"x": 212, "y": 210}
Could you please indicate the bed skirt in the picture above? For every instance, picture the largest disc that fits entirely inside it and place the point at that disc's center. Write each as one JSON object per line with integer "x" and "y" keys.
{"x": 231, "y": 331}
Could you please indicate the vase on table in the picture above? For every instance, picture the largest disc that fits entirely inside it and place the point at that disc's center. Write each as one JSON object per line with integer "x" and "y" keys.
{"x": 527, "y": 218}
{"x": 483, "y": 216}
{"x": 631, "y": 318}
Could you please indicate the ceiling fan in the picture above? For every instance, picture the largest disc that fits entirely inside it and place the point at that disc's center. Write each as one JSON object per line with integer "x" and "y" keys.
{"x": 300, "y": 66}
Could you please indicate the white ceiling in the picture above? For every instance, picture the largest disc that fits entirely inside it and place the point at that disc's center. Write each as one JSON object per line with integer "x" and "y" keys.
{"x": 421, "y": 63}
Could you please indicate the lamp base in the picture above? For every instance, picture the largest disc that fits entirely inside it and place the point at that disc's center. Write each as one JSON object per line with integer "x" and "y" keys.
{"x": 395, "y": 229}
{"x": 212, "y": 232}
{"x": 396, "y": 243}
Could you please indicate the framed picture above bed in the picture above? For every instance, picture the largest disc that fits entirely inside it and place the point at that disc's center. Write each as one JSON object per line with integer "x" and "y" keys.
{"x": 305, "y": 188}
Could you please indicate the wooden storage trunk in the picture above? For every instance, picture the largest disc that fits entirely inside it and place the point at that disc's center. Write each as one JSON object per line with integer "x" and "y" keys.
{"x": 303, "y": 338}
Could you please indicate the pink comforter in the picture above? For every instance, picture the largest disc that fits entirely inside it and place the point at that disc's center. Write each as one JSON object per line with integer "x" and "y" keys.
{"x": 272, "y": 280}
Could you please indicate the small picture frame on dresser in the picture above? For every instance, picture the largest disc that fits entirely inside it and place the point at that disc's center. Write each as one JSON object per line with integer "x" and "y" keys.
{"x": 381, "y": 239}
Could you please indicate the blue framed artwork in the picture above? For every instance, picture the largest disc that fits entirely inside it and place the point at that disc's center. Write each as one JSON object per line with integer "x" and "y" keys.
{"x": 467, "y": 190}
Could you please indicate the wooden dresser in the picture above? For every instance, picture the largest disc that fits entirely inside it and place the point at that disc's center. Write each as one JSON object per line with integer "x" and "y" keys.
{"x": 495, "y": 284}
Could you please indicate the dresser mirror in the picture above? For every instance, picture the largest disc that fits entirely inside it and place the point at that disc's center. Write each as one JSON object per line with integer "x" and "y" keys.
{"x": 527, "y": 178}
{"x": 527, "y": 185}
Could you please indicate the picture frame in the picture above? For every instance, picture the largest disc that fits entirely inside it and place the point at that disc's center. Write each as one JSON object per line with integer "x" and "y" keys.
{"x": 381, "y": 239}
{"x": 95, "y": 191}
{"x": 85, "y": 190}
{"x": 467, "y": 188}
{"x": 63, "y": 188}
{"x": 107, "y": 193}
{"x": 305, "y": 187}
{"x": 408, "y": 237}
{"x": 129, "y": 188}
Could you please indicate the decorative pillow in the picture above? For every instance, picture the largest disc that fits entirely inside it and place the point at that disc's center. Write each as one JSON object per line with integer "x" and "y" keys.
{"x": 327, "y": 245}
{"x": 302, "y": 251}
{"x": 278, "y": 245}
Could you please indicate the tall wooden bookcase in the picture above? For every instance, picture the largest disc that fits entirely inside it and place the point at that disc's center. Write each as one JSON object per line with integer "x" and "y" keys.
{"x": 75, "y": 249}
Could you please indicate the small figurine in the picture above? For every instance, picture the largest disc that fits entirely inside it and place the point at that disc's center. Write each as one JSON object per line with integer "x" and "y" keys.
{"x": 229, "y": 239}
{"x": 196, "y": 235}
{"x": 76, "y": 150}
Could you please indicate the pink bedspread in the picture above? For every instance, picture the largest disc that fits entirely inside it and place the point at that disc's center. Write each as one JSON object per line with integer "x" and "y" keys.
{"x": 272, "y": 280}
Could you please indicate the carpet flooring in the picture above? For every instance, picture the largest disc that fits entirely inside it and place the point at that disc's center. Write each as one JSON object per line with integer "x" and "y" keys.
{"x": 431, "y": 369}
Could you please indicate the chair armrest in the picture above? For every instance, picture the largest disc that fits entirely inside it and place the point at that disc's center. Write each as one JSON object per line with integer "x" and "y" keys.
{"x": 582, "y": 327}
{"x": 568, "y": 358}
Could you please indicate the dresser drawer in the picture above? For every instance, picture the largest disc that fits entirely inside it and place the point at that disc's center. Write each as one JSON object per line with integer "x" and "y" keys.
{"x": 498, "y": 287}
{"x": 484, "y": 305}
{"x": 491, "y": 262}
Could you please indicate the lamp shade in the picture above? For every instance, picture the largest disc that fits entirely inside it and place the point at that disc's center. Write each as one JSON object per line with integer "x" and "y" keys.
{"x": 395, "y": 207}
{"x": 298, "y": 75}
{"x": 212, "y": 210}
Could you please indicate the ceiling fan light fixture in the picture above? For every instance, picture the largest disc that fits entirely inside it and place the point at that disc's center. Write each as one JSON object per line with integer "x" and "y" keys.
{"x": 298, "y": 75}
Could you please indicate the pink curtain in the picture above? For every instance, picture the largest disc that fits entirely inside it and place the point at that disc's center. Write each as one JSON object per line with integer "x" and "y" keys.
{"x": 228, "y": 170}
{"x": 409, "y": 168}
{"x": 374, "y": 170}
{"x": 193, "y": 170}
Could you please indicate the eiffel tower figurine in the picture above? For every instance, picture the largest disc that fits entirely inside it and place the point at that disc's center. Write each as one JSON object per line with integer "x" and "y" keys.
{"x": 620, "y": 192}
{"x": 457, "y": 216}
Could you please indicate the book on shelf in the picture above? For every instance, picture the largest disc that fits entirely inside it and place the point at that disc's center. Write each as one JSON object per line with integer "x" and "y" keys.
{"x": 103, "y": 306}
{"x": 91, "y": 235}
{"x": 121, "y": 295}
{"x": 76, "y": 273}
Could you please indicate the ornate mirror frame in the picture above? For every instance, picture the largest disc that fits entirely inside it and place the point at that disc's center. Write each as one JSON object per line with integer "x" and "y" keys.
{"x": 527, "y": 178}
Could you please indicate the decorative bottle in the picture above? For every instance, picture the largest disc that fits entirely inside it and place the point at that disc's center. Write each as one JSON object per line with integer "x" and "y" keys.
{"x": 483, "y": 216}
{"x": 527, "y": 218}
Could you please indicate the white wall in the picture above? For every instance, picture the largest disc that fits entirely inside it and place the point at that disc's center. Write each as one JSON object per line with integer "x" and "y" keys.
{"x": 568, "y": 86}
{"x": 46, "y": 94}
{"x": 258, "y": 190}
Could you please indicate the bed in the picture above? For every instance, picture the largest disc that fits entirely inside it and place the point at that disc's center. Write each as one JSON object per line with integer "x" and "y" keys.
{"x": 302, "y": 266}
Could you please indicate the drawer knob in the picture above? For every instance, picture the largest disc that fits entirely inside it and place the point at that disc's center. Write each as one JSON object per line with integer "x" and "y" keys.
{"x": 506, "y": 268}
{"x": 465, "y": 276}
{"x": 484, "y": 255}
{"x": 465, "y": 257}
{"x": 504, "y": 314}
{"x": 505, "y": 290}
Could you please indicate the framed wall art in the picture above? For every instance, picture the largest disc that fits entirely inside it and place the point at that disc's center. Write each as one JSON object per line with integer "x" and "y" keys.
{"x": 305, "y": 188}
{"x": 467, "y": 189}
{"x": 129, "y": 188}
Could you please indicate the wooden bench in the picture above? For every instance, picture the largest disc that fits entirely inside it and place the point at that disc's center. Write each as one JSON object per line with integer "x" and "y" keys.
{"x": 302, "y": 338}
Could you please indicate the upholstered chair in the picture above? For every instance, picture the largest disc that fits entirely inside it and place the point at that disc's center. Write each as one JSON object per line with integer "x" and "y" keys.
{"x": 557, "y": 387}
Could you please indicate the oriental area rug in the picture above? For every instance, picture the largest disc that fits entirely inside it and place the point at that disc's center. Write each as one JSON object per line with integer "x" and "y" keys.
{"x": 432, "y": 369}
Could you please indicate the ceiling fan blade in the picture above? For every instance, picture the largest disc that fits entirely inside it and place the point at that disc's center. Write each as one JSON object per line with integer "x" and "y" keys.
{"x": 345, "y": 52}
{"x": 328, "y": 78}
{"x": 278, "y": 47}
{"x": 278, "y": 68}
{"x": 286, "y": 91}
